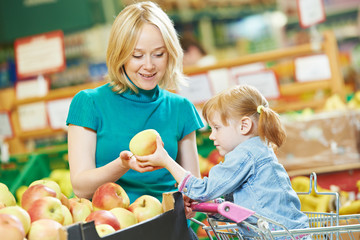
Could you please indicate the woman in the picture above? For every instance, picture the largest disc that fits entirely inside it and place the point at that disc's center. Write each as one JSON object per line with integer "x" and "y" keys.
{"x": 143, "y": 57}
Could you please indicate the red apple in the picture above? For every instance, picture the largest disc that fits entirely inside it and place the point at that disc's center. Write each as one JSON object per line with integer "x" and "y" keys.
{"x": 44, "y": 229}
{"x": 146, "y": 207}
{"x": 80, "y": 208}
{"x": 49, "y": 183}
{"x": 144, "y": 142}
{"x": 46, "y": 207}
{"x": 110, "y": 195}
{"x": 21, "y": 214}
{"x": 104, "y": 229}
{"x": 104, "y": 217}
{"x": 35, "y": 192}
{"x": 11, "y": 228}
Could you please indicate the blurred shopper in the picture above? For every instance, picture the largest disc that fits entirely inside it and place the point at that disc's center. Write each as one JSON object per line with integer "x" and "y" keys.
{"x": 194, "y": 53}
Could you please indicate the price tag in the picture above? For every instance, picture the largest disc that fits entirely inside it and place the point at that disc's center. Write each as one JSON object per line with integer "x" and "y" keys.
{"x": 57, "y": 111}
{"x": 265, "y": 81}
{"x": 199, "y": 89}
{"x": 35, "y": 87}
{"x": 312, "y": 68}
{"x": 39, "y": 54}
{"x": 6, "y": 130}
{"x": 32, "y": 116}
{"x": 220, "y": 79}
{"x": 310, "y": 12}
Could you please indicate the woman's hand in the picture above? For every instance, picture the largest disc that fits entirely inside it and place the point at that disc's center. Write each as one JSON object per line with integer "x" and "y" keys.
{"x": 129, "y": 161}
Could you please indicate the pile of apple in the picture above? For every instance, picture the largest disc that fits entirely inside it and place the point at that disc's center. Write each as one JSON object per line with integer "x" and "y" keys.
{"x": 43, "y": 210}
{"x": 45, "y": 206}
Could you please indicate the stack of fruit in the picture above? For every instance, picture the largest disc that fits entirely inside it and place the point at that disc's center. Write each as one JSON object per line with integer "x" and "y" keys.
{"x": 44, "y": 209}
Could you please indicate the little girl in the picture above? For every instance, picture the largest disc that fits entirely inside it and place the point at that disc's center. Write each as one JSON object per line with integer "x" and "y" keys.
{"x": 244, "y": 130}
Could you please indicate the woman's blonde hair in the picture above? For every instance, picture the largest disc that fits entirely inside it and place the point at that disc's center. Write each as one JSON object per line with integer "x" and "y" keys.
{"x": 124, "y": 34}
{"x": 243, "y": 100}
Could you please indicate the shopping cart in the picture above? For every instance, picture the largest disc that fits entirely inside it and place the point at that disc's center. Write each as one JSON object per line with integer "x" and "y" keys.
{"x": 227, "y": 221}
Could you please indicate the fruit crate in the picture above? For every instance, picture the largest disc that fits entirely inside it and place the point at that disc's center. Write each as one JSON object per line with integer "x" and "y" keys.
{"x": 40, "y": 165}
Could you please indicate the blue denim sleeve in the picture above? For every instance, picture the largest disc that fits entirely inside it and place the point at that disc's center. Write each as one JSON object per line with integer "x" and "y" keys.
{"x": 223, "y": 178}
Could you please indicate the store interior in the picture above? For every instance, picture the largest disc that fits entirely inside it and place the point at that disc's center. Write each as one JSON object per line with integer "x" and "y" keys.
{"x": 309, "y": 74}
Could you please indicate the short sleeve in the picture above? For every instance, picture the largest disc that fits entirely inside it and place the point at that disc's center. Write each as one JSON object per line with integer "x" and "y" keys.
{"x": 82, "y": 111}
{"x": 191, "y": 118}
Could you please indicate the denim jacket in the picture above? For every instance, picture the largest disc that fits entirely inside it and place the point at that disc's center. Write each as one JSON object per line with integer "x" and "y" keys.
{"x": 251, "y": 172}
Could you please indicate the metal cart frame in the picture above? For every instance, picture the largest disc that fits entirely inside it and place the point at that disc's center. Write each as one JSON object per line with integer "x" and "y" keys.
{"x": 226, "y": 221}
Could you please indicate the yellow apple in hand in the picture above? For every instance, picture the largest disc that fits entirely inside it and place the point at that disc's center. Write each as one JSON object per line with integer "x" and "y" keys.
{"x": 144, "y": 142}
{"x": 146, "y": 207}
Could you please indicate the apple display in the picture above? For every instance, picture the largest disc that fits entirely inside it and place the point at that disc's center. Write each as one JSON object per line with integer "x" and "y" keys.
{"x": 46, "y": 207}
{"x": 104, "y": 229}
{"x": 6, "y": 197}
{"x": 125, "y": 217}
{"x": 68, "y": 219}
{"x": 110, "y": 195}
{"x": 44, "y": 229}
{"x": 35, "y": 192}
{"x": 49, "y": 183}
{"x": 144, "y": 142}
{"x": 103, "y": 217}
{"x": 11, "y": 228}
{"x": 20, "y": 213}
{"x": 146, "y": 207}
{"x": 80, "y": 208}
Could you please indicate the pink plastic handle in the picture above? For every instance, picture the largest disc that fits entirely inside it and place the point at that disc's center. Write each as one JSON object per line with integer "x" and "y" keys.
{"x": 205, "y": 207}
{"x": 229, "y": 210}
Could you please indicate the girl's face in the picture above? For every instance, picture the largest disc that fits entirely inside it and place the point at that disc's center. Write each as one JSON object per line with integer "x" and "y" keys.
{"x": 225, "y": 138}
{"x": 148, "y": 62}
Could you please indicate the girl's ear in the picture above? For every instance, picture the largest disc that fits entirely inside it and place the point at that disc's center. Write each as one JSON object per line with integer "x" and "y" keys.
{"x": 245, "y": 125}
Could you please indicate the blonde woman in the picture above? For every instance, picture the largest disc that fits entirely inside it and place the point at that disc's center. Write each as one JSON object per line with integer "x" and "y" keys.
{"x": 144, "y": 58}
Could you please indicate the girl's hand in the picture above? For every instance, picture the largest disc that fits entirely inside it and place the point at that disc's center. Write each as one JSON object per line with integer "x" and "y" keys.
{"x": 158, "y": 159}
{"x": 129, "y": 161}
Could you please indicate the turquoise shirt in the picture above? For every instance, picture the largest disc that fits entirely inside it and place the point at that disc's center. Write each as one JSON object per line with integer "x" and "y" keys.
{"x": 116, "y": 118}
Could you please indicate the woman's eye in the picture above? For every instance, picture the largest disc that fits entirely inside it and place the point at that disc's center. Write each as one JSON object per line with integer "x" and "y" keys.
{"x": 159, "y": 54}
{"x": 137, "y": 56}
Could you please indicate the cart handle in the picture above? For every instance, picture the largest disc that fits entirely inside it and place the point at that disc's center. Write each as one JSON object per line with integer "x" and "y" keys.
{"x": 229, "y": 210}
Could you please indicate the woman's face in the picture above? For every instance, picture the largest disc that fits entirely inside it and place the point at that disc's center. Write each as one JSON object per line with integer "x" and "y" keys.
{"x": 148, "y": 62}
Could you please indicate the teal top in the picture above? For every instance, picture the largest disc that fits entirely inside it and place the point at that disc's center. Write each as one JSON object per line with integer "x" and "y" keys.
{"x": 116, "y": 118}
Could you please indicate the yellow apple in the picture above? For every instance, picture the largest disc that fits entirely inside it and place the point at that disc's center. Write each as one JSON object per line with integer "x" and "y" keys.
{"x": 6, "y": 197}
{"x": 68, "y": 219}
{"x": 104, "y": 229}
{"x": 44, "y": 229}
{"x": 11, "y": 228}
{"x": 146, "y": 207}
{"x": 144, "y": 142}
{"x": 125, "y": 217}
{"x": 49, "y": 183}
{"x": 21, "y": 214}
{"x": 80, "y": 208}
{"x": 19, "y": 192}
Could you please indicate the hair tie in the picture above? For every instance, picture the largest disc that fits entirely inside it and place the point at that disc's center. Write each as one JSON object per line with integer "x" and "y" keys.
{"x": 259, "y": 108}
